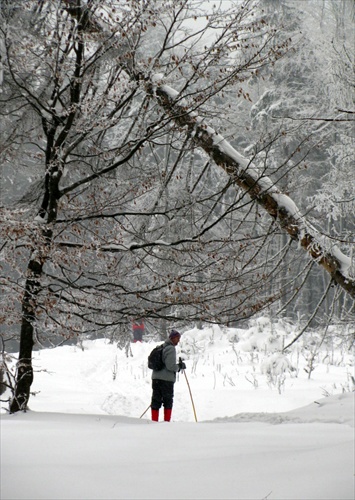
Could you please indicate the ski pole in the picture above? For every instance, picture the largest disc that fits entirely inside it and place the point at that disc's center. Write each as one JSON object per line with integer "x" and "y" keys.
{"x": 192, "y": 401}
{"x": 144, "y": 412}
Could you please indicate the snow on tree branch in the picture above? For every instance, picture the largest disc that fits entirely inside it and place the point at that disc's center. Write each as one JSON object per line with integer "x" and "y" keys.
{"x": 259, "y": 187}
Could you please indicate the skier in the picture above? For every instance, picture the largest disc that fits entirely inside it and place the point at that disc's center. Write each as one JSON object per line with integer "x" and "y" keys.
{"x": 163, "y": 380}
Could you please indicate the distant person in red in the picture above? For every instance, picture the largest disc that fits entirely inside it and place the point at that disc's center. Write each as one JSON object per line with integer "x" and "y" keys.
{"x": 138, "y": 330}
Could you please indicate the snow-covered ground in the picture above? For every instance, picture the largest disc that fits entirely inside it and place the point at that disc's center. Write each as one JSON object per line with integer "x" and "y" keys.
{"x": 263, "y": 431}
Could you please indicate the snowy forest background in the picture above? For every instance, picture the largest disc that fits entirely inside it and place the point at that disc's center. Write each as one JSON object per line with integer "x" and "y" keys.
{"x": 110, "y": 209}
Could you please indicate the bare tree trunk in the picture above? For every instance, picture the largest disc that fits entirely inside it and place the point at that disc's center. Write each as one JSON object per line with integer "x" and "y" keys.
{"x": 24, "y": 376}
{"x": 48, "y": 215}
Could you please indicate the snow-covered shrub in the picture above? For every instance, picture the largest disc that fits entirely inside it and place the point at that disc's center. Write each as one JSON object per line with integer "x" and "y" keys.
{"x": 275, "y": 368}
{"x": 264, "y": 335}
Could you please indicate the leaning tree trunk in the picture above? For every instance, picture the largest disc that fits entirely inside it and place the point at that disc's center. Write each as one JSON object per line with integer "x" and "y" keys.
{"x": 260, "y": 188}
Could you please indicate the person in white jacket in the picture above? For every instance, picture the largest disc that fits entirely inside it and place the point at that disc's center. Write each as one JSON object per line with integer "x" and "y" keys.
{"x": 163, "y": 380}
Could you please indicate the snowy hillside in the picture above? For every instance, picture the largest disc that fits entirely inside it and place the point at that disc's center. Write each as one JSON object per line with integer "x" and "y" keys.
{"x": 264, "y": 431}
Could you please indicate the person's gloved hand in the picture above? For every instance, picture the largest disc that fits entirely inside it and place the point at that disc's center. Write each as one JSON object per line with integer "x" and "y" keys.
{"x": 182, "y": 365}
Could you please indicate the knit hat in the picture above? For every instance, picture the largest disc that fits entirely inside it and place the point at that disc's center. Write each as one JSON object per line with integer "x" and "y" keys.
{"x": 174, "y": 333}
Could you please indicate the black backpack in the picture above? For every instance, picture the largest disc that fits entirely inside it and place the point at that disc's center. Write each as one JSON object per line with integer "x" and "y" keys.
{"x": 155, "y": 358}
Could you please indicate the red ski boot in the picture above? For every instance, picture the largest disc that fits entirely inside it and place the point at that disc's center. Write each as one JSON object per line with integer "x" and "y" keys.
{"x": 167, "y": 414}
{"x": 155, "y": 415}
